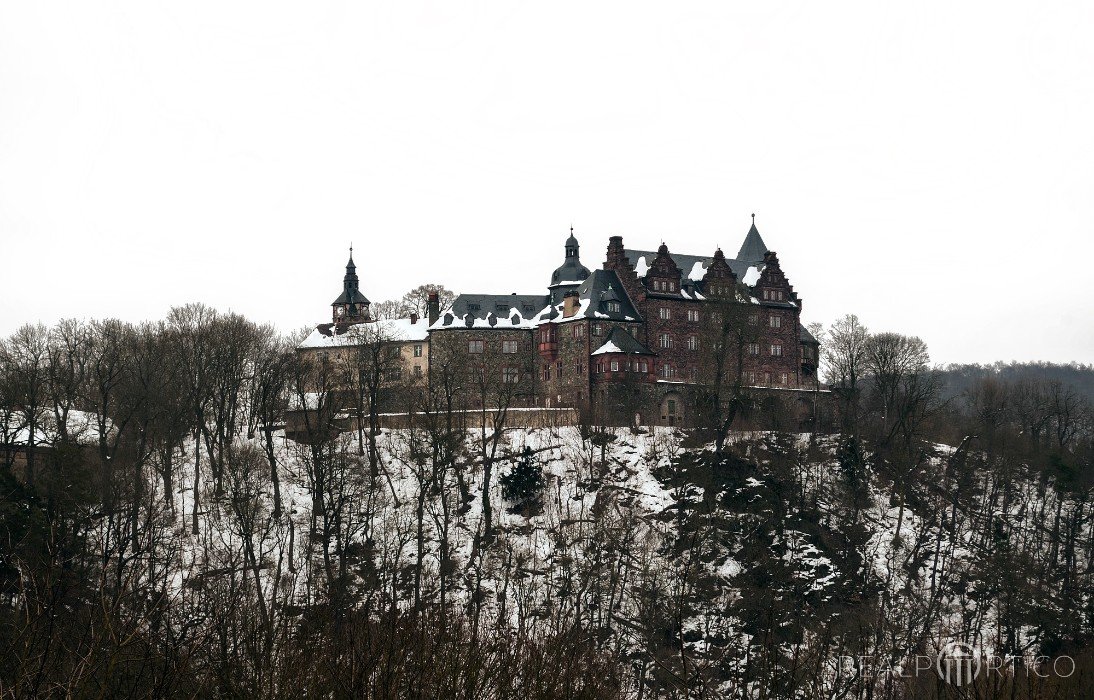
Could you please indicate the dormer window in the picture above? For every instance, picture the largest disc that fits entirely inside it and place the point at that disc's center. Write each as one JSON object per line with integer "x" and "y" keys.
{"x": 613, "y": 307}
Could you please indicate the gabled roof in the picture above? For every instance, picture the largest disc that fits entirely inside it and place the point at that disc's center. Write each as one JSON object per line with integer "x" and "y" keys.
{"x": 692, "y": 267}
{"x": 621, "y": 341}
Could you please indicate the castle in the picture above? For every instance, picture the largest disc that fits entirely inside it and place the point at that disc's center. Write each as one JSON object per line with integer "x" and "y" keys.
{"x": 638, "y": 340}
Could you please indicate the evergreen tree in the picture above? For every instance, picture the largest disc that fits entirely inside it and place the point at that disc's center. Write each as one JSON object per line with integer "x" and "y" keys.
{"x": 524, "y": 485}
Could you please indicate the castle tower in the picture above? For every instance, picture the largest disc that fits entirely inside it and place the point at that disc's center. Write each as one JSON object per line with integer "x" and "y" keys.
{"x": 351, "y": 306}
{"x": 753, "y": 249}
{"x": 570, "y": 274}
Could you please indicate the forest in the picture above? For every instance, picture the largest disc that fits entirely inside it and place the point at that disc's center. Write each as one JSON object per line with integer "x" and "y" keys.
{"x": 162, "y": 536}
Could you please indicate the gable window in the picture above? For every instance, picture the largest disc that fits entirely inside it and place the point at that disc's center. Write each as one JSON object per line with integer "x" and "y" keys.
{"x": 693, "y": 342}
{"x": 693, "y": 315}
{"x": 475, "y": 347}
{"x": 418, "y": 350}
{"x": 775, "y": 321}
{"x": 509, "y": 347}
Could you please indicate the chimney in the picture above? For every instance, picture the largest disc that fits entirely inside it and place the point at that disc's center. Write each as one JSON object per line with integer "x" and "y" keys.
{"x": 433, "y": 307}
{"x": 413, "y": 317}
{"x": 570, "y": 302}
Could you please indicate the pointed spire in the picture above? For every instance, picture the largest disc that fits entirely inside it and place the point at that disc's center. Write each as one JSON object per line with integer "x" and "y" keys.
{"x": 753, "y": 248}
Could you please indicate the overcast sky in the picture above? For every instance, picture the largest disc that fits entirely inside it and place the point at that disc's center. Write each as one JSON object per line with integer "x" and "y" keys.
{"x": 928, "y": 166}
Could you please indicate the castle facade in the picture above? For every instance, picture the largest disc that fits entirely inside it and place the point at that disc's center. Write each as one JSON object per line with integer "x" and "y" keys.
{"x": 645, "y": 338}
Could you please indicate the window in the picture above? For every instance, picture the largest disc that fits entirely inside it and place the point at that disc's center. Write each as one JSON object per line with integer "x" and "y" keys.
{"x": 672, "y": 407}
{"x": 767, "y": 378}
{"x": 615, "y": 365}
{"x": 473, "y": 308}
{"x": 579, "y": 330}
{"x": 694, "y": 372}
{"x": 643, "y": 366}
{"x": 558, "y": 369}
{"x": 753, "y": 320}
{"x": 634, "y": 331}
{"x": 776, "y": 350}
{"x": 417, "y": 370}
{"x": 664, "y": 313}
{"x": 664, "y": 340}
{"x": 752, "y": 378}
{"x": 475, "y": 347}
{"x": 775, "y": 321}
{"x": 693, "y": 315}
{"x": 716, "y": 318}
{"x": 546, "y": 373}
{"x": 580, "y": 368}
{"x": 596, "y": 329}
{"x": 693, "y": 342}
{"x": 509, "y": 347}
{"x": 753, "y": 348}
{"x": 666, "y": 371}
{"x": 418, "y": 350}
{"x": 613, "y": 307}
{"x": 510, "y": 375}
{"x": 785, "y": 379}
{"x": 773, "y": 294}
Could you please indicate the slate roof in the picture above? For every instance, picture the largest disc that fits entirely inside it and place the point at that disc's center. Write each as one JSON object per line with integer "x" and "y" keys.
{"x": 753, "y": 249}
{"x": 686, "y": 263}
{"x": 601, "y": 287}
{"x": 501, "y": 311}
{"x": 621, "y": 341}
{"x": 805, "y": 336}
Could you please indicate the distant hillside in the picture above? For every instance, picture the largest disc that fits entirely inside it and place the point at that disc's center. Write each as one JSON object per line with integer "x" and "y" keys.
{"x": 959, "y": 377}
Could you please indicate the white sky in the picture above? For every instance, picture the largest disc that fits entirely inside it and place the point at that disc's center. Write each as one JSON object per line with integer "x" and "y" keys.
{"x": 929, "y": 166}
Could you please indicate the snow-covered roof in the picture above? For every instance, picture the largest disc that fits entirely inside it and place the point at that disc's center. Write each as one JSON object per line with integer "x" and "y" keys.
{"x": 329, "y": 335}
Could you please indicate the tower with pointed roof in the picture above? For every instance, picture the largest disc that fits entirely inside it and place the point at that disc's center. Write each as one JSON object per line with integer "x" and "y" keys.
{"x": 753, "y": 249}
{"x": 351, "y": 306}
